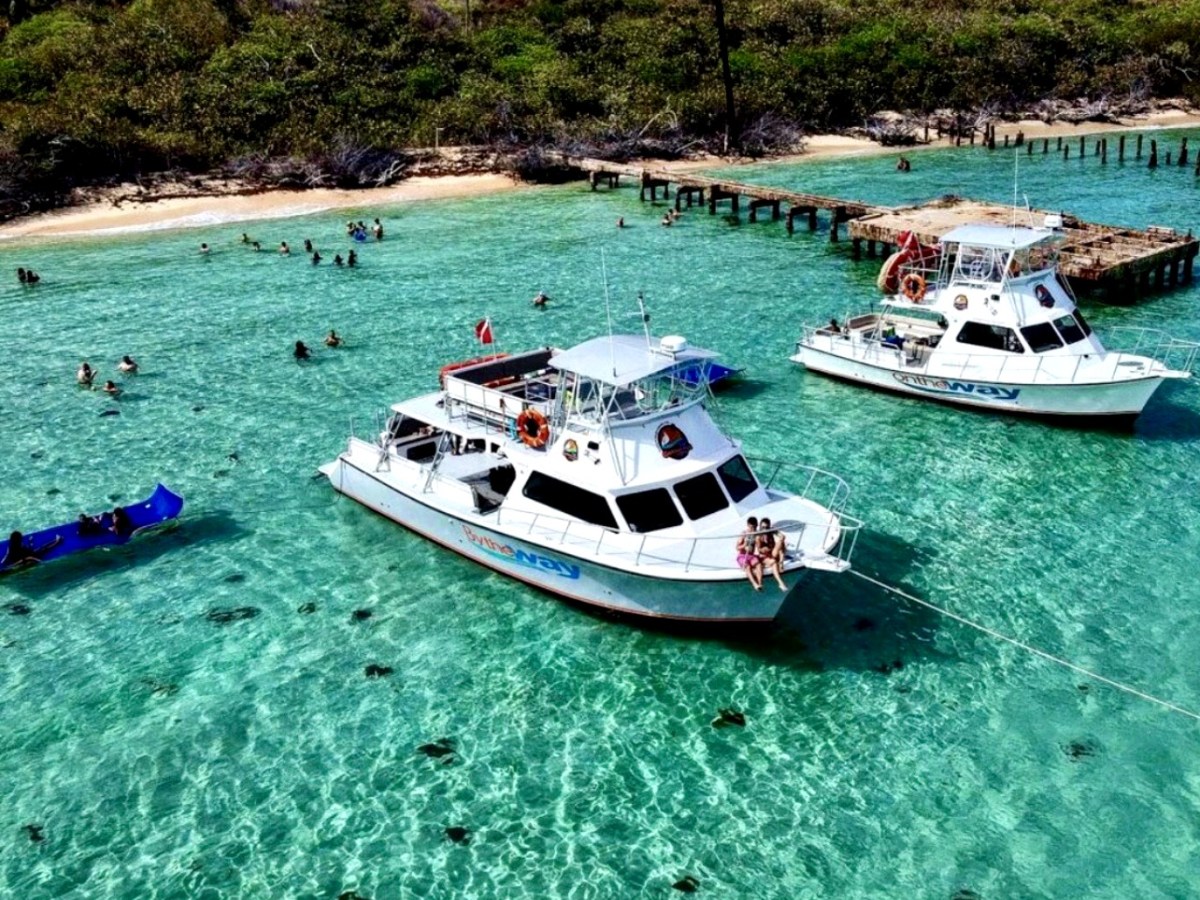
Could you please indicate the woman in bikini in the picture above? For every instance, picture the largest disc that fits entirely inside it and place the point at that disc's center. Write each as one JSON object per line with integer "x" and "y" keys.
{"x": 770, "y": 547}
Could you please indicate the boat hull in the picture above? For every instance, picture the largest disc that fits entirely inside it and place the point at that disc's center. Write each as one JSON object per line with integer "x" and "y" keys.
{"x": 559, "y": 573}
{"x": 1118, "y": 400}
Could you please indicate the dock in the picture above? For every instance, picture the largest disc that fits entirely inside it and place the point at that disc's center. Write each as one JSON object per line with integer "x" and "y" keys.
{"x": 1126, "y": 262}
{"x": 1108, "y": 256}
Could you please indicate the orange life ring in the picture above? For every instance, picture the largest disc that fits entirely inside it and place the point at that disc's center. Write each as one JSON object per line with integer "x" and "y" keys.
{"x": 913, "y": 286}
{"x": 533, "y": 429}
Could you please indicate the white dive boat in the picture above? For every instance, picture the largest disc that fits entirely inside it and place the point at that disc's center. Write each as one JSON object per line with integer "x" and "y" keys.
{"x": 986, "y": 321}
{"x": 597, "y": 474}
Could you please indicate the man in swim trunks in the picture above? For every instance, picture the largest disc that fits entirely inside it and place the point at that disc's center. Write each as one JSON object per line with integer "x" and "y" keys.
{"x": 747, "y": 559}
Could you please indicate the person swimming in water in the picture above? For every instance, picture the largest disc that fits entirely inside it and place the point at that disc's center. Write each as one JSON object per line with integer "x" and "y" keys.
{"x": 18, "y": 553}
{"x": 301, "y": 351}
{"x": 127, "y": 365}
{"x": 377, "y": 229}
{"x": 204, "y": 248}
{"x": 245, "y": 238}
{"x": 85, "y": 375}
{"x": 316, "y": 257}
{"x": 256, "y": 246}
{"x": 621, "y": 222}
{"x": 21, "y": 276}
{"x": 337, "y": 259}
{"x": 284, "y": 249}
{"x": 352, "y": 259}
{"x": 110, "y": 388}
{"x": 333, "y": 339}
{"x": 541, "y": 299}
{"x": 308, "y": 246}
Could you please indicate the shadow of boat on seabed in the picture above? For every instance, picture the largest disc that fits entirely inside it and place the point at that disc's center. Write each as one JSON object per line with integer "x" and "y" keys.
{"x": 57, "y": 575}
{"x": 843, "y": 622}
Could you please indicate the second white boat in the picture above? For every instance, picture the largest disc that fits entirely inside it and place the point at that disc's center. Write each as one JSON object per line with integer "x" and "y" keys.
{"x": 984, "y": 320}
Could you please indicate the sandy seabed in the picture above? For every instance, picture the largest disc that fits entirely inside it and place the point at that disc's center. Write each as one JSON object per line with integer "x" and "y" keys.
{"x": 110, "y": 217}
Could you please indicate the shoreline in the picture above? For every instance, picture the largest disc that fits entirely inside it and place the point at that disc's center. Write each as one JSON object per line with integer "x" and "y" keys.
{"x": 112, "y": 212}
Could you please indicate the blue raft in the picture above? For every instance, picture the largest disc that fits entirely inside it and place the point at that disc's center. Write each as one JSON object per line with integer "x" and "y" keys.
{"x": 162, "y": 506}
{"x": 714, "y": 372}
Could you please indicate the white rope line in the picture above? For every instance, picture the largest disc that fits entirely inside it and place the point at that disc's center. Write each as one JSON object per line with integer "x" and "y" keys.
{"x": 1034, "y": 650}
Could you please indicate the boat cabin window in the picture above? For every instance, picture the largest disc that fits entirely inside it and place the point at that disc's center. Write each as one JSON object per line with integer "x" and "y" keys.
{"x": 737, "y": 478}
{"x": 1041, "y": 337}
{"x": 994, "y": 337}
{"x": 701, "y": 496}
{"x": 649, "y": 510}
{"x": 1073, "y": 327}
{"x": 569, "y": 499}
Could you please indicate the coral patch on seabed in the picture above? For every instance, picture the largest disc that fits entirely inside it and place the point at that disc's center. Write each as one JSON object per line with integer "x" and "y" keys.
{"x": 360, "y": 615}
{"x": 439, "y": 748}
{"x": 17, "y": 609}
{"x": 377, "y": 671}
{"x": 727, "y": 717}
{"x": 35, "y": 832}
{"x": 458, "y": 834}
{"x": 223, "y": 615}
{"x": 307, "y": 608}
{"x": 688, "y": 884}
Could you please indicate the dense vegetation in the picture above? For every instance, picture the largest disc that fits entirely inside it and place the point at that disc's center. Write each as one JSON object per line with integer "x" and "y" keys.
{"x": 92, "y": 90}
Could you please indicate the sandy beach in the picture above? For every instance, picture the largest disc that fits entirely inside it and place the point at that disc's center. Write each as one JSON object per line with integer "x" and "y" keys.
{"x": 110, "y": 216}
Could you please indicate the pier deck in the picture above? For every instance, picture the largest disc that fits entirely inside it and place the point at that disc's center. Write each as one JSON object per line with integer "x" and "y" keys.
{"x": 1094, "y": 255}
{"x": 1119, "y": 259}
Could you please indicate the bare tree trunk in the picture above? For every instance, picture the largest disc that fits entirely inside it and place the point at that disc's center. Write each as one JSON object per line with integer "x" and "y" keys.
{"x": 726, "y": 75}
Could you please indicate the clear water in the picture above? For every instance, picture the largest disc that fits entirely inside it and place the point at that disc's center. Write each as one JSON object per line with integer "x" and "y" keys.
{"x": 168, "y": 755}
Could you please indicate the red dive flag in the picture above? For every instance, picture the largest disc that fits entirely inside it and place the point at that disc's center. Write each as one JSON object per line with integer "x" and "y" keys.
{"x": 483, "y": 331}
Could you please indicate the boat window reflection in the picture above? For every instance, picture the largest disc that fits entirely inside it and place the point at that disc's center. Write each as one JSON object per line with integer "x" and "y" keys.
{"x": 738, "y": 479}
{"x": 701, "y": 496}
{"x": 569, "y": 499}
{"x": 650, "y": 510}
{"x": 1041, "y": 337}
{"x": 994, "y": 337}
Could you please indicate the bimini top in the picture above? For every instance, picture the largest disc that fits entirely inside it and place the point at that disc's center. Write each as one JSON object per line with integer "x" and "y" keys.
{"x": 626, "y": 358}
{"x": 1000, "y": 237}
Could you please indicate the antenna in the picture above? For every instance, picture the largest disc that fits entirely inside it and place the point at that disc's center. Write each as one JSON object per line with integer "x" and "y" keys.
{"x": 645, "y": 321}
{"x": 1016, "y": 165}
{"x": 612, "y": 350}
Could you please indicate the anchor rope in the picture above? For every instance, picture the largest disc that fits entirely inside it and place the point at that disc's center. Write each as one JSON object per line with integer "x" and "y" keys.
{"x": 1128, "y": 689}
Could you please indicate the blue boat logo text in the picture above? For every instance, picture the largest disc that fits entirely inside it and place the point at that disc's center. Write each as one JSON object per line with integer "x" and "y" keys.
{"x": 520, "y": 557}
{"x": 946, "y": 386}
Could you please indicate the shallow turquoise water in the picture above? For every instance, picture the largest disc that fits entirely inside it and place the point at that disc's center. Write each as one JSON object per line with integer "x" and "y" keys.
{"x": 166, "y": 755}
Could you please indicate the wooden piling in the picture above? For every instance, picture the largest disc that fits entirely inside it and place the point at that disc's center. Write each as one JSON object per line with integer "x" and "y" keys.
{"x": 1153, "y": 163}
{"x": 1183, "y": 152}
{"x": 1096, "y": 152}
{"x": 1168, "y": 157}
{"x": 1045, "y": 146}
{"x": 1005, "y": 142}
{"x": 1058, "y": 146}
{"x": 1121, "y": 148}
{"x": 1028, "y": 148}
{"x": 1197, "y": 172}
{"x": 1103, "y": 151}
{"x": 837, "y": 214}
{"x": 856, "y": 249}
{"x": 1139, "y": 147}
{"x": 1066, "y": 151}
{"x": 1082, "y": 147}
{"x": 1020, "y": 138}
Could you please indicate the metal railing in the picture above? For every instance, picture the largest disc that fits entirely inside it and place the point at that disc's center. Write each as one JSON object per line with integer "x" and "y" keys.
{"x": 815, "y": 480}
{"x": 1169, "y": 352}
{"x": 836, "y": 539}
{"x": 1146, "y": 344}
